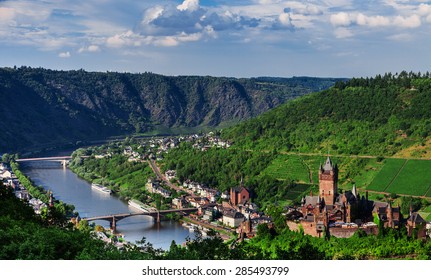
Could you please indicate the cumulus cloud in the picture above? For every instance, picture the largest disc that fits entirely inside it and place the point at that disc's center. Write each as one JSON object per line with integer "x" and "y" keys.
{"x": 190, "y": 5}
{"x": 372, "y": 21}
{"x": 189, "y": 17}
{"x": 128, "y": 38}
{"x": 341, "y": 19}
{"x": 64, "y": 55}
{"x": 412, "y": 21}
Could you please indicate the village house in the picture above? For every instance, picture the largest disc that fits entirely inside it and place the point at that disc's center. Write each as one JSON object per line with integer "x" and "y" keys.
{"x": 171, "y": 174}
{"x": 198, "y": 201}
{"x": 232, "y": 218}
{"x": 6, "y": 174}
{"x": 37, "y": 205}
{"x": 152, "y": 185}
{"x": 180, "y": 202}
{"x": 416, "y": 226}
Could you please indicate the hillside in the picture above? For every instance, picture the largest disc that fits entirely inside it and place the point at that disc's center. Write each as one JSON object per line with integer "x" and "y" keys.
{"x": 385, "y": 115}
{"x": 375, "y": 129}
{"x": 42, "y": 107}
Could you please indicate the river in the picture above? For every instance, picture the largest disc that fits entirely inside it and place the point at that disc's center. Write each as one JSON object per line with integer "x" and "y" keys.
{"x": 69, "y": 188}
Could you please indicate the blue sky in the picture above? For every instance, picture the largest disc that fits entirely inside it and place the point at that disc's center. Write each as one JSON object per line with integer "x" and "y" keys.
{"x": 243, "y": 38}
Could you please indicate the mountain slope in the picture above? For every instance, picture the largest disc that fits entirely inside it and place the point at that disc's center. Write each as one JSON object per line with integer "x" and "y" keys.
{"x": 41, "y": 107}
{"x": 377, "y": 116}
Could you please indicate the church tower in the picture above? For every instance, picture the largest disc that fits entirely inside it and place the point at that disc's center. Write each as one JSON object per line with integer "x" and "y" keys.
{"x": 328, "y": 181}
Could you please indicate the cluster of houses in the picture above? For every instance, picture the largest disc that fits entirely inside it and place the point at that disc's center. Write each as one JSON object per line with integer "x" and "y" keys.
{"x": 132, "y": 155}
{"x": 200, "y": 141}
{"x": 235, "y": 210}
{"x": 10, "y": 180}
{"x": 155, "y": 186}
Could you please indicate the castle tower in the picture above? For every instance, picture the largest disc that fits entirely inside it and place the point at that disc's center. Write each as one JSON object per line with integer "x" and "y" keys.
{"x": 328, "y": 182}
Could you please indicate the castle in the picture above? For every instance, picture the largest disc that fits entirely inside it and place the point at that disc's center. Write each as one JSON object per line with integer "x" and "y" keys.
{"x": 340, "y": 214}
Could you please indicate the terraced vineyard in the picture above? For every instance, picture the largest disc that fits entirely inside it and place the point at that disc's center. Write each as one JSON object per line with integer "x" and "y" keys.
{"x": 286, "y": 167}
{"x": 387, "y": 174}
{"x": 402, "y": 176}
{"x": 414, "y": 179}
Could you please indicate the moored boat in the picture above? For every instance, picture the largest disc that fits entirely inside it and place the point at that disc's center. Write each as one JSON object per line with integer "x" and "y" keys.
{"x": 101, "y": 188}
{"x": 138, "y": 205}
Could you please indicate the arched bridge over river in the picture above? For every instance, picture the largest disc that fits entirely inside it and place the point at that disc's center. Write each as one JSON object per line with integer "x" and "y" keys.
{"x": 114, "y": 218}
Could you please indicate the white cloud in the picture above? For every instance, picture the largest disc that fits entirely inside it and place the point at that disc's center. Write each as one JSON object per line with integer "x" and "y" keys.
{"x": 91, "y": 48}
{"x": 372, "y": 21}
{"x": 168, "y": 41}
{"x": 341, "y": 19}
{"x": 285, "y": 19}
{"x": 128, "y": 38}
{"x": 152, "y": 14}
{"x": 189, "y": 5}
{"x": 64, "y": 54}
{"x": 412, "y": 21}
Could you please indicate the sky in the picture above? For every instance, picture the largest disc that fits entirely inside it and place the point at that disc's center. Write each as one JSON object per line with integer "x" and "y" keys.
{"x": 237, "y": 38}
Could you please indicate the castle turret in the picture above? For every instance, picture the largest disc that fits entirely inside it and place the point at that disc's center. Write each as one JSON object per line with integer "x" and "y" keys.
{"x": 328, "y": 182}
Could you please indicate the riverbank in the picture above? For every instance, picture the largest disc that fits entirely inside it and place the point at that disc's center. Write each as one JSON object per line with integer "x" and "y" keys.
{"x": 71, "y": 189}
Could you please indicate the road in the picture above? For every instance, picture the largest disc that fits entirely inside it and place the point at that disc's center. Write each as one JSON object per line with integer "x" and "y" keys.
{"x": 162, "y": 177}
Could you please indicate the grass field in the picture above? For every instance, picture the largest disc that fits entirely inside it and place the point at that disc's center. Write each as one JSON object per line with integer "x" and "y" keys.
{"x": 414, "y": 178}
{"x": 288, "y": 167}
{"x": 388, "y": 172}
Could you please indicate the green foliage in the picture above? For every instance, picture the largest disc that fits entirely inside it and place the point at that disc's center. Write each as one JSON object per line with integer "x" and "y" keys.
{"x": 379, "y": 116}
{"x": 24, "y": 236}
{"x": 126, "y": 178}
{"x": 221, "y": 168}
{"x": 407, "y": 202}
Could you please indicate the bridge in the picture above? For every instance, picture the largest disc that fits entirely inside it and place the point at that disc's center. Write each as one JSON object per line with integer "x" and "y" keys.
{"x": 64, "y": 159}
{"x": 114, "y": 218}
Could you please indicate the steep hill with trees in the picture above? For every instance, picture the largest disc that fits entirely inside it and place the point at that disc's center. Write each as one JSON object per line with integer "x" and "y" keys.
{"x": 41, "y": 107}
{"x": 370, "y": 116}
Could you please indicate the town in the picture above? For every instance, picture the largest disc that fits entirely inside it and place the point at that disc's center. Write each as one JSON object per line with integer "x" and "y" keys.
{"x": 328, "y": 213}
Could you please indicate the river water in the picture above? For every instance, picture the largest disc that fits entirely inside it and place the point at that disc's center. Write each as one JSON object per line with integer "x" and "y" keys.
{"x": 69, "y": 188}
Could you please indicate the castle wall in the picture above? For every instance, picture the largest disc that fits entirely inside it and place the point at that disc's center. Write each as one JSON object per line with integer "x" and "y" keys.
{"x": 308, "y": 227}
{"x": 342, "y": 232}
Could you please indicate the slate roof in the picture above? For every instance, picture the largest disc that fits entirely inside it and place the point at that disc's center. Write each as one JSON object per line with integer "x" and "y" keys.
{"x": 416, "y": 218}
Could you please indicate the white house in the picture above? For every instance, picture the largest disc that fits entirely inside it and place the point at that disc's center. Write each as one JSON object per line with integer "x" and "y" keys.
{"x": 232, "y": 218}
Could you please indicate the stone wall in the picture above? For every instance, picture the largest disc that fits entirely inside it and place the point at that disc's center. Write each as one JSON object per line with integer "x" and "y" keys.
{"x": 308, "y": 227}
{"x": 342, "y": 232}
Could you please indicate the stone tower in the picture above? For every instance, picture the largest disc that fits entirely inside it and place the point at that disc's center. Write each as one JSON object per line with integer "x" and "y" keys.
{"x": 328, "y": 181}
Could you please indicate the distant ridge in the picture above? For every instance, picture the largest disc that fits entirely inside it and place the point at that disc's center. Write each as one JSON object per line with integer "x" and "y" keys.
{"x": 41, "y": 107}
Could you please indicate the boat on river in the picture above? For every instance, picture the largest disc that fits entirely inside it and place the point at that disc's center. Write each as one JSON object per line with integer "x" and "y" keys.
{"x": 100, "y": 188}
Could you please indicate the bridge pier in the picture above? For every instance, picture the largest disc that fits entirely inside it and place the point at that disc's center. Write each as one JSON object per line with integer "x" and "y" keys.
{"x": 113, "y": 224}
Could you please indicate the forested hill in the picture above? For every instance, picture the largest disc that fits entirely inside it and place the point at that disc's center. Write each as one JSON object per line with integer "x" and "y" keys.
{"x": 384, "y": 115}
{"x": 40, "y": 106}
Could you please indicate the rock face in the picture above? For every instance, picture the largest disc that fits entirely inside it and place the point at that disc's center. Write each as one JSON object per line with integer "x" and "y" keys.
{"x": 39, "y": 106}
